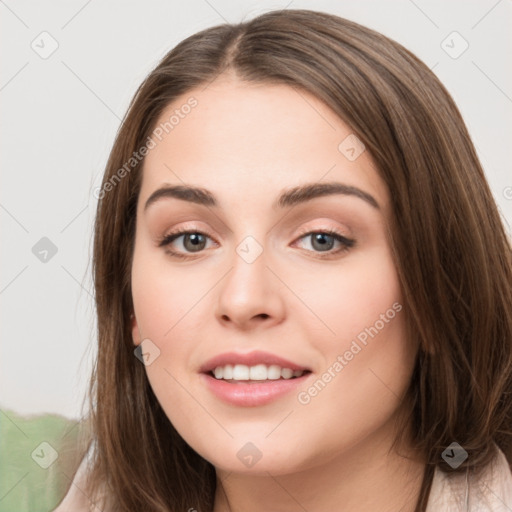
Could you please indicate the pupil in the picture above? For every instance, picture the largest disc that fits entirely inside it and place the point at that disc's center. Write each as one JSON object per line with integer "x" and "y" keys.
{"x": 320, "y": 238}
{"x": 195, "y": 240}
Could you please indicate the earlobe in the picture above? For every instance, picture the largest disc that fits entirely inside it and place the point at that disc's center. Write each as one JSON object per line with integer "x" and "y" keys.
{"x": 135, "y": 330}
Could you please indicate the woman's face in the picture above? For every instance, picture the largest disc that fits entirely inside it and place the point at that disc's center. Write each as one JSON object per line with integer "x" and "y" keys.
{"x": 260, "y": 288}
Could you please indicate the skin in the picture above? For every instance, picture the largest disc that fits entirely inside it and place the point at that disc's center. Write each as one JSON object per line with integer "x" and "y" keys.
{"x": 247, "y": 143}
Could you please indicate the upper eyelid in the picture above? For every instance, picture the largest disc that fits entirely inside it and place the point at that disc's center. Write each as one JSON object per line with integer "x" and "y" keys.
{"x": 191, "y": 227}
{"x": 302, "y": 232}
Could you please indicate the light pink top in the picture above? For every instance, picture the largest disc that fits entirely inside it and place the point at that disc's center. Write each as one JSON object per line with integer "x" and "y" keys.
{"x": 491, "y": 492}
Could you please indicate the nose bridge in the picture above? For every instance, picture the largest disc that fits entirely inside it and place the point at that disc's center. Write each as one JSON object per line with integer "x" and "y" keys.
{"x": 247, "y": 278}
{"x": 248, "y": 290}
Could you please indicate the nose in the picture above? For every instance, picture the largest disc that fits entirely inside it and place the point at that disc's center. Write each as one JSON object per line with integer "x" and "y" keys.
{"x": 250, "y": 294}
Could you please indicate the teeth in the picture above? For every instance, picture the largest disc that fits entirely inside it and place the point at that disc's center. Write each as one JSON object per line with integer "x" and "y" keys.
{"x": 286, "y": 373}
{"x": 227, "y": 372}
{"x": 257, "y": 372}
{"x": 273, "y": 372}
{"x": 240, "y": 372}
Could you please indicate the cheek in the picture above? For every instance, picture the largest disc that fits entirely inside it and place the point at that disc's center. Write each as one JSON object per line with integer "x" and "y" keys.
{"x": 362, "y": 384}
{"x": 169, "y": 312}
{"x": 162, "y": 298}
{"x": 358, "y": 393}
{"x": 367, "y": 359}
{"x": 349, "y": 297}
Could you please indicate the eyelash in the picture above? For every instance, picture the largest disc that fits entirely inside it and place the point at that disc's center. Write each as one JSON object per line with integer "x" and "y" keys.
{"x": 347, "y": 243}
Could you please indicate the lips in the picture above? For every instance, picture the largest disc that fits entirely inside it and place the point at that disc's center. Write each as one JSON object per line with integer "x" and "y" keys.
{"x": 249, "y": 359}
{"x": 252, "y": 393}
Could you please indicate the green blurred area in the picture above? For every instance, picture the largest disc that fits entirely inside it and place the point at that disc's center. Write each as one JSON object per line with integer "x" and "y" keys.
{"x": 38, "y": 457}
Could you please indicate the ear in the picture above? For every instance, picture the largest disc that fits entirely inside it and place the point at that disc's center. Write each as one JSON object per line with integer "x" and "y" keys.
{"x": 135, "y": 330}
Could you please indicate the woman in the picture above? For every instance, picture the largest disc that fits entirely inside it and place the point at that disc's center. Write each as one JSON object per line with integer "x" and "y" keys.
{"x": 303, "y": 285}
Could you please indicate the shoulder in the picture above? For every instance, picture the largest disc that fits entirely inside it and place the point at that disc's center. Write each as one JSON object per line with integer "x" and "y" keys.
{"x": 77, "y": 499}
{"x": 491, "y": 490}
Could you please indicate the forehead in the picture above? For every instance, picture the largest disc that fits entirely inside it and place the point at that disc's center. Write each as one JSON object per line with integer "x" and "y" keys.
{"x": 241, "y": 137}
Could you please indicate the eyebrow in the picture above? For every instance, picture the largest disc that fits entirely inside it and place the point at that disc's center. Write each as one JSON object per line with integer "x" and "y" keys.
{"x": 288, "y": 198}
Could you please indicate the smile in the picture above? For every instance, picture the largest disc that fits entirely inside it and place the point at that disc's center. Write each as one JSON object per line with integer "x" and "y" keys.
{"x": 251, "y": 379}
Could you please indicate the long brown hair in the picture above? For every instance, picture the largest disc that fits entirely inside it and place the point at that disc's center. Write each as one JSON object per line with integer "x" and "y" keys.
{"x": 452, "y": 254}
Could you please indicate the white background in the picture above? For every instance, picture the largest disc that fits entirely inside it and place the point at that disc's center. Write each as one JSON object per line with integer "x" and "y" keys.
{"x": 59, "y": 117}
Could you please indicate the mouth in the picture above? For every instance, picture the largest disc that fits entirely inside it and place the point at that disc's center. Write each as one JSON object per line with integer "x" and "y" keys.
{"x": 251, "y": 380}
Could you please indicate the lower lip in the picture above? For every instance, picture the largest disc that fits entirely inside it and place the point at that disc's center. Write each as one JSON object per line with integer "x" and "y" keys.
{"x": 254, "y": 393}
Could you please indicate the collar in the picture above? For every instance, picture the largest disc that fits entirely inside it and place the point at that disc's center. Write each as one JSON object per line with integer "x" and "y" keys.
{"x": 465, "y": 492}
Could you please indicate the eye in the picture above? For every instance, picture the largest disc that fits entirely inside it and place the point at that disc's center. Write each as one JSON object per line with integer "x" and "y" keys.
{"x": 324, "y": 240}
{"x": 193, "y": 241}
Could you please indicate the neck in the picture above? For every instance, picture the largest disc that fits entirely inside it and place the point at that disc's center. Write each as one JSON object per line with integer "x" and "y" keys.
{"x": 368, "y": 476}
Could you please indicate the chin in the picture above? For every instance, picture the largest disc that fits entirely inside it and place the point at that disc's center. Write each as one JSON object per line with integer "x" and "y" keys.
{"x": 257, "y": 456}
{"x": 280, "y": 465}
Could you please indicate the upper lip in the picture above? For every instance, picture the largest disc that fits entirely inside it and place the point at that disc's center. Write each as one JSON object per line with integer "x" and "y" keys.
{"x": 249, "y": 359}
